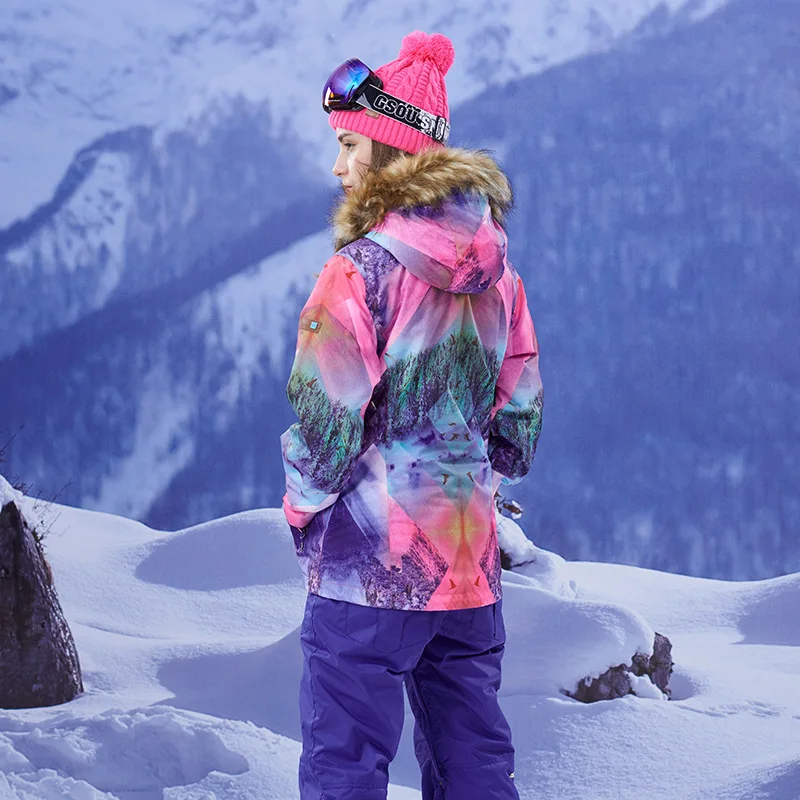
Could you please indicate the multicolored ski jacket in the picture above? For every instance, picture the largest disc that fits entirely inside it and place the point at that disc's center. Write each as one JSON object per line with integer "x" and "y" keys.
{"x": 417, "y": 389}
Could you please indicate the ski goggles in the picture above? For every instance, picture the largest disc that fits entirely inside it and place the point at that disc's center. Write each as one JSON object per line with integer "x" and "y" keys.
{"x": 353, "y": 86}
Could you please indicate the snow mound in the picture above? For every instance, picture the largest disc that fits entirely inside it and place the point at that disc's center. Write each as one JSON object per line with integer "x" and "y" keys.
{"x": 173, "y": 561}
{"x": 191, "y": 660}
{"x": 769, "y": 614}
{"x": 554, "y": 642}
{"x": 140, "y": 751}
{"x": 539, "y": 567}
{"x": 778, "y": 781}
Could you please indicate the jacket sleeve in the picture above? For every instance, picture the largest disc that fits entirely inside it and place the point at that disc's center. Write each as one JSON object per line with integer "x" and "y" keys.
{"x": 519, "y": 397}
{"x": 336, "y": 368}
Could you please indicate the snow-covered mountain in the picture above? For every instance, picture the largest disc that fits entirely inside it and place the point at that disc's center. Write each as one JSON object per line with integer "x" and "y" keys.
{"x": 136, "y": 140}
{"x": 149, "y": 301}
{"x": 72, "y": 73}
{"x": 658, "y": 193}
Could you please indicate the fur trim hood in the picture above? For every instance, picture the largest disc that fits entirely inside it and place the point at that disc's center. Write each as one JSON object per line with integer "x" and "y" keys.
{"x": 425, "y": 179}
{"x": 439, "y": 212}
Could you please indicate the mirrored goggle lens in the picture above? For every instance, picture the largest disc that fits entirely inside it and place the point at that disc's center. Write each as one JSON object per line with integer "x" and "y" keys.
{"x": 342, "y": 87}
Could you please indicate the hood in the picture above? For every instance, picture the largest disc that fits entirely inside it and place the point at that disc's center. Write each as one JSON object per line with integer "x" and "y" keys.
{"x": 439, "y": 213}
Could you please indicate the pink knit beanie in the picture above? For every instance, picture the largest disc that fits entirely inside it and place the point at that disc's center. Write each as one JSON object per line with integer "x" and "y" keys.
{"x": 416, "y": 76}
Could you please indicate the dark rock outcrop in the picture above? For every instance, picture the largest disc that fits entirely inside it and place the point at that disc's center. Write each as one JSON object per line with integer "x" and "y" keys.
{"x": 38, "y": 659}
{"x": 657, "y": 667}
{"x": 615, "y": 682}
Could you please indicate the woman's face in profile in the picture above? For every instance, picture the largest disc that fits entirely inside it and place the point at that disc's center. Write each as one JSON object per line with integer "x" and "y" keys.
{"x": 355, "y": 155}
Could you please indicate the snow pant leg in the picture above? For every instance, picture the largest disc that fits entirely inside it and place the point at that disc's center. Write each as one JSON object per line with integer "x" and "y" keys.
{"x": 432, "y": 786}
{"x": 461, "y": 737}
{"x": 351, "y": 695}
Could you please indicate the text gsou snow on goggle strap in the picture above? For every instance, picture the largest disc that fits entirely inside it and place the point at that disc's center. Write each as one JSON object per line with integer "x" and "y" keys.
{"x": 437, "y": 128}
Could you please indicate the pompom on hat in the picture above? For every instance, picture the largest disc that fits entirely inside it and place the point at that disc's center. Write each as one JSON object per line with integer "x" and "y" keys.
{"x": 416, "y": 76}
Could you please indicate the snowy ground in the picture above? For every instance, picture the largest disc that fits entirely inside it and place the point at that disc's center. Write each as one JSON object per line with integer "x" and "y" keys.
{"x": 190, "y": 654}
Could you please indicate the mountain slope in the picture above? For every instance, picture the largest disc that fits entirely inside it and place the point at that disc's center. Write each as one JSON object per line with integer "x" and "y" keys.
{"x": 656, "y": 195}
{"x": 657, "y": 192}
{"x": 112, "y": 410}
{"x": 138, "y": 143}
{"x": 72, "y": 73}
{"x": 137, "y": 212}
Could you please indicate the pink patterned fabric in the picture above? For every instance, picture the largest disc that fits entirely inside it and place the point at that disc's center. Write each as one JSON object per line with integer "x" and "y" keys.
{"x": 417, "y": 390}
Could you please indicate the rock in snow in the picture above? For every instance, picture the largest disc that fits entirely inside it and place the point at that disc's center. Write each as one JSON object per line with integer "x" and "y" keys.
{"x": 519, "y": 554}
{"x": 622, "y": 680}
{"x": 38, "y": 658}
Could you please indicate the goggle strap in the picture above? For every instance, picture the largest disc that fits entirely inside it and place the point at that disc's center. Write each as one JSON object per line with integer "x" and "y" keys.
{"x": 375, "y": 99}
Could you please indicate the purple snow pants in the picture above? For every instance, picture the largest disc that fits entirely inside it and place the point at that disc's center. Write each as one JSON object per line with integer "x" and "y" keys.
{"x": 356, "y": 660}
